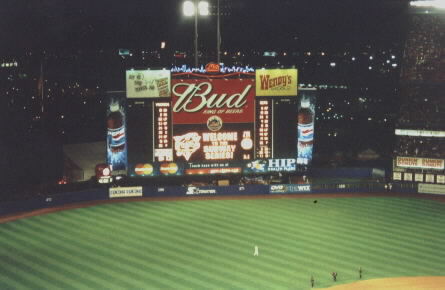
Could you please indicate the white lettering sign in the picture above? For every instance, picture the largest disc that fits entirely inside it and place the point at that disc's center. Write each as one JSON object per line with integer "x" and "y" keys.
{"x": 202, "y": 92}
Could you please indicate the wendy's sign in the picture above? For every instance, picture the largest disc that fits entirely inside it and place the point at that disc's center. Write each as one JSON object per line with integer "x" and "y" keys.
{"x": 196, "y": 100}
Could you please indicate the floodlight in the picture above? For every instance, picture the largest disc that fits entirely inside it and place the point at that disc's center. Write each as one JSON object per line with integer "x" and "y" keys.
{"x": 189, "y": 8}
{"x": 203, "y": 8}
{"x": 429, "y": 3}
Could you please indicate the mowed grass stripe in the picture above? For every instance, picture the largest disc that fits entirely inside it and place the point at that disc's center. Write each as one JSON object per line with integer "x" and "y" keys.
{"x": 81, "y": 255}
{"x": 189, "y": 240}
{"x": 108, "y": 267}
{"x": 228, "y": 236}
{"x": 281, "y": 226}
{"x": 275, "y": 243}
{"x": 51, "y": 269}
{"x": 358, "y": 222}
{"x": 324, "y": 249}
{"x": 401, "y": 238}
{"x": 357, "y": 243}
{"x": 294, "y": 262}
{"x": 134, "y": 233}
{"x": 222, "y": 246}
{"x": 394, "y": 209}
{"x": 324, "y": 235}
{"x": 64, "y": 255}
{"x": 285, "y": 260}
{"x": 125, "y": 266}
{"x": 32, "y": 266}
{"x": 13, "y": 277}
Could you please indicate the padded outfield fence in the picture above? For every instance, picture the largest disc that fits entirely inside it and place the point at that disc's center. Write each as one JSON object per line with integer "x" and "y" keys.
{"x": 106, "y": 193}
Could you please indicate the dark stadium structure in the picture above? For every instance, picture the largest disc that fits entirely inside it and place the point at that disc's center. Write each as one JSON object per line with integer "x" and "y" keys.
{"x": 419, "y": 153}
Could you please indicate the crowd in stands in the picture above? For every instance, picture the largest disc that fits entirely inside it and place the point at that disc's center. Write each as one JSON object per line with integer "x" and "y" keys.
{"x": 423, "y": 75}
{"x": 420, "y": 147}
{"x": 423, "y": 57}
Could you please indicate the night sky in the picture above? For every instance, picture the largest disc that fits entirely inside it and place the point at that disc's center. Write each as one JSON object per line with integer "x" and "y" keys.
{"x": 66, "y": 24}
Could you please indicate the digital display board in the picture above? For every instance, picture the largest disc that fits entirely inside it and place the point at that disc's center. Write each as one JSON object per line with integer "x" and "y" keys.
{"x": 162, "y": 132}
{"x": 213, "y": 124}
{"x": 264, "y": 129}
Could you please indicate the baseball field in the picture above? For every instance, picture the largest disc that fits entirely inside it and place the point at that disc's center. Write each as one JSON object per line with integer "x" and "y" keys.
{"x": 208, "y": 244}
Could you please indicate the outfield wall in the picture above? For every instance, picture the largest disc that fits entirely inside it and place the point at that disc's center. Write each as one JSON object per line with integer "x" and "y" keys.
{"x": 103, "y": 193}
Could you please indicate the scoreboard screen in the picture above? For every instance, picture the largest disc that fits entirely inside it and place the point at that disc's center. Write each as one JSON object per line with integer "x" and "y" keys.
{"x": 217, "y": 124}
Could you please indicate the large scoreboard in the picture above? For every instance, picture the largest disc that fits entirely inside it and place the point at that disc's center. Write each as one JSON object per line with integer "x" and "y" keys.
{"x": 212, "y": 123}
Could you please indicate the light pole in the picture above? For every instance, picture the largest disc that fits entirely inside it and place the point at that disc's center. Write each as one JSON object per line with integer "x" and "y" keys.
{"x": 192, "y": 8}
{"x": 218, "y": 35}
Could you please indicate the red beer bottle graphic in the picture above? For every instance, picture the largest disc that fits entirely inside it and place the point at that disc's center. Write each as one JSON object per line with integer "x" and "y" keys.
{"x": 116, "y": 129}
{"x": 305, "y": 132}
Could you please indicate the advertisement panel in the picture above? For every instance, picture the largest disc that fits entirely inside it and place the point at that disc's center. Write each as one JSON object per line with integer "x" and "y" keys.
{"x": 418, "y": 177}
{"x": 407, "y": 176}
{"x": 116, "y": 133}
{"x": 431, "y": 188}
{"x": 196, "y": 101}
{"x": 429, "y": 178}
{"x": 278, "y": 188}
{"x": 122, "y": 192}
{"x": 213, "y": 123}
{"x": 305, "y": 126}
{"x": 424, "y": 163}
{"x": 276, "y": 82}
{"x": 271, "y": 165}
{"x": 440, "y": 178}
{"x": 397, "y": 175}
{"x": 296, "y": 188}
{"x": 289, "y": 188}
{"x": 148, "y": 83}
{"x": 216, "y": 125}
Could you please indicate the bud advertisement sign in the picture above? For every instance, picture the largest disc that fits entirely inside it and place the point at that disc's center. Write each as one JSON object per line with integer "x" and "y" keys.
{"x": 116, "y": 133}
{"x": 276, "y": 82}
{"x": 195, "y": 101}
{"x": 148, "y": 83}
{"x": 305, "y": 126}
{"x": 213, "y": 122}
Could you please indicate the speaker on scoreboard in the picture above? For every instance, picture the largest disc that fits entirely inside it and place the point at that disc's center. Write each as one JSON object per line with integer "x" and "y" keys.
{"x": 140, "y": 131}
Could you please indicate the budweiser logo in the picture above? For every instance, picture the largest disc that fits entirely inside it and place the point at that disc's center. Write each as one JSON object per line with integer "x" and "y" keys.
{"x": 195, "y": 97}
{"x": 268, "y": 83}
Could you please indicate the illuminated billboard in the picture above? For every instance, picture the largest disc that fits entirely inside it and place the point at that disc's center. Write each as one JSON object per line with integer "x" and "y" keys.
{"x": 305, "y": 126}
{"x": 116, "y": 133}
{"x": 213, "y": 122}
{"x": 218, "y": 124}
{"x": 148, "y": 83}
{"x": 422, "y": 163}
{"x": 276, "y": 82}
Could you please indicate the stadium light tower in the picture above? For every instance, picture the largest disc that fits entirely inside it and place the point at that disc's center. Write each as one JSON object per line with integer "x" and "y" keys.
{"x": 192, "y": 8}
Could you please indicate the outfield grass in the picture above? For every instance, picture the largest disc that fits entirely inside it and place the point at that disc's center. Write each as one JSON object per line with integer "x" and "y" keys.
{"x": 209, "y": 244}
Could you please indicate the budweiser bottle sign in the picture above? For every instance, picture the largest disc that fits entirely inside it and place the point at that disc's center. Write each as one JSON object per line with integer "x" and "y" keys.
{"x": 194, "y": 101}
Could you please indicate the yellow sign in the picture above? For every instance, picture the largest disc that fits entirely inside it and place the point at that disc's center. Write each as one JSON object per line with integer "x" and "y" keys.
{"x": 276, "y": 82}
